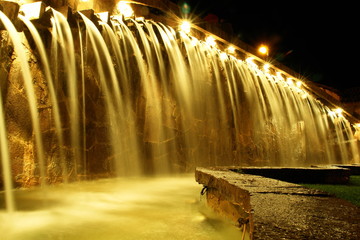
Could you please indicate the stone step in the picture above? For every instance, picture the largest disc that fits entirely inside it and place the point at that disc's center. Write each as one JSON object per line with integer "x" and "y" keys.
{"x": 273, "y": 209}
{"x": 314, "y": 174}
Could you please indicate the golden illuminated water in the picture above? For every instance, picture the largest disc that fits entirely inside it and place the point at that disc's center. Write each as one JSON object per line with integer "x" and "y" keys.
{"x": 139, "y": 98}
{"x": 127, "y": 209}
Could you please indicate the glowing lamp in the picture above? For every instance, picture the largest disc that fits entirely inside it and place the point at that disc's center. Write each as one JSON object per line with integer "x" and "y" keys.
{"x": 223, "y": 56}
{"x": 231, "y": 49}
{"x": 332, "y": 114}
{"x": 290, "y": 81}
{"x": 264, "y": 50}
{"x": 338, "y": 111}
{"x": 185, "y": 26}
{"x": 210, "y": 40}
{"x": 125, "y": 9}
{"x": 266, "y": 67}
{"x": 33, "y": 11}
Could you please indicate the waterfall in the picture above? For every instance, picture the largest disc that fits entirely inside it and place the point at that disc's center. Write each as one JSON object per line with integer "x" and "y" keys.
{"x": 136, "y": 97}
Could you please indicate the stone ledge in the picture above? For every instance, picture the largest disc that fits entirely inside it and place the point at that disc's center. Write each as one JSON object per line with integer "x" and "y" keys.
{"x": 228, "y": 193}
{"x": 277, "y": 209}
{"x": 314, "y": 174}
{"x": 225, "y": 197}
{"x": 354, "y": 168}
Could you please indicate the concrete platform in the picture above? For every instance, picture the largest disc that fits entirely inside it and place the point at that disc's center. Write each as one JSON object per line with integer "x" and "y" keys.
{"x": 354, "y": 168}
{"x": 274, "y": 209}
{"x": 314, "y": 174}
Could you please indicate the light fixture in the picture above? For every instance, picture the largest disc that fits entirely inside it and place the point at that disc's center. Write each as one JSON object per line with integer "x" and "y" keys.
{"x": 210, "y": 40}
{"x": 223, "y": 56}
{"x": 266, "y": 67}
{"x": 33, "y": 11}
{"x": 185, "y": 26}
{"x": 231, "y": 50}
{"x": 299, "y": 84}
{"x": 338, "y": 110}
{"x": 125, "y": 9}
{"x": 263, "y": 50}
{"x": 332, "y": 114}
{"x": 290, "y": 81}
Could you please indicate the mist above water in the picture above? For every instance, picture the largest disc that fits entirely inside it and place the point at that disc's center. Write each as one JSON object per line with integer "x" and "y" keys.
{"x": 131, "y": 208}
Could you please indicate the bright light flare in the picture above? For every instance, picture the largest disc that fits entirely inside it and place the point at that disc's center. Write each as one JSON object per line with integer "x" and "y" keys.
{"x": 223, "y": 56}
{"x": 125, "y": 9}
{"x": 210, "y": 40}
{"x": 231, "y": 50}
{"x": 290, "y": 81}
{"x": 338, "y": 111}
{"x": 266, "y": 67}
{"x": 299, "y": 84}
{"x": 264, "y": 50}
{"x": 332, "y": 114}
{"x": 185, "y": 26}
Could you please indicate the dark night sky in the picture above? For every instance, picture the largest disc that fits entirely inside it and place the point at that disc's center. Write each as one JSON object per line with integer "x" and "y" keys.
{"x": 319, "y": 42}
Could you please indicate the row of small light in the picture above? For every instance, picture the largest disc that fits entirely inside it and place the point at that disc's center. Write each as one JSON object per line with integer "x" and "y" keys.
{"x": 33, "y": 11}
{"x": 185, "y": 27}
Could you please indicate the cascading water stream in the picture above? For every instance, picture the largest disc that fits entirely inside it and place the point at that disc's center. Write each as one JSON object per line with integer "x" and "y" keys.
{"x": 114, "y": 102}
{"x": 66, "y": 42}
{"x": 5, "y": 161}
{"x": 54, "y": 99}
{"x": 27, "y": 78}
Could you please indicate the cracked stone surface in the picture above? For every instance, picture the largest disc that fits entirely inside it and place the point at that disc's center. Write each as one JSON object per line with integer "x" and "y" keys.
{"x": 283, "y": 210}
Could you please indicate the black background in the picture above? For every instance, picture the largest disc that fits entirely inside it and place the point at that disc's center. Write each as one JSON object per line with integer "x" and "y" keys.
{"x": 317, "y": 40}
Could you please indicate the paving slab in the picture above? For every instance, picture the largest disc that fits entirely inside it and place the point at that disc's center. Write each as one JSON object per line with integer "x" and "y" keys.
{"x": 283, "y": 210}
